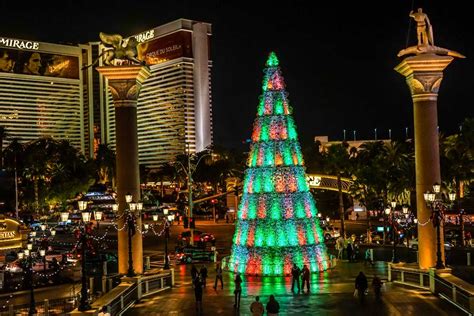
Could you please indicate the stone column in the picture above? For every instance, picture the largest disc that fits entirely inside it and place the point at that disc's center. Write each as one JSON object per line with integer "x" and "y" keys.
{"x": 423, "y": 74}
{"x": 124, "y": 84}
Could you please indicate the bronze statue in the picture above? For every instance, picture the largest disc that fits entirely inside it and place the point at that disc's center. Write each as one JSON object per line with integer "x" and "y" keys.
{"x": 117, "y": 48}
{"x": 424, "y": 33}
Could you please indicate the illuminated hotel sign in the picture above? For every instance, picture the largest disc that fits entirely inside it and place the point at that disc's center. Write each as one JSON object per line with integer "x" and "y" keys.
{"x": 145, "y": 36}
{"x": 165, "y": 48}
{"x": 14, "y": 43}
{"x": 13, "y": 234}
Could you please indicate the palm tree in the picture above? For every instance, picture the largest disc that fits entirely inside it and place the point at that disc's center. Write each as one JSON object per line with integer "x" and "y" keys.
{"x": 105, "y": 164}
{"x": 337, "y": 163}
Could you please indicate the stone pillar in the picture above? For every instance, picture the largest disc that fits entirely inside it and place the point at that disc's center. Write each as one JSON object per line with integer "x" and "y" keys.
{"x": 125, "y": 83}
{"x": 423, "y": 74}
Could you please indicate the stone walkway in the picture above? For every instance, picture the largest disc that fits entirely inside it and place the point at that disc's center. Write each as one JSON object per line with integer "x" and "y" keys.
{"x": 331, "y": 294}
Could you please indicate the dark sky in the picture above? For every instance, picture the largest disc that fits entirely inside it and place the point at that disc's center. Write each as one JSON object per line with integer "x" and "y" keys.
{"x": 337, "y": 57}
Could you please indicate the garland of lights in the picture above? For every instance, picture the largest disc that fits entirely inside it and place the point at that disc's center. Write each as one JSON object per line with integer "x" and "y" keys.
{"x": 277, "y": 223}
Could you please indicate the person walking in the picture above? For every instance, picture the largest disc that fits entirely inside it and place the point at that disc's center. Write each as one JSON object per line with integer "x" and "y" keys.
{"x": 218, "y": 276}
{"x": 377, "y": 286}
{"x": 340, "y": 246}
{"x": 237, "y": 291}
{"x": 257, "y": 307}
{"x": 349, "y": 251}
{"x": 203, "y": 273}
{"x": 368, "y": 257}
{"x": 295, "y": 273}
{"x": 305, "y": 278}
{"x": 198, "y": 294}
{"x": 103, "y": 311}
{"x": 361, "y": 286}
{"x": 273, "y": 308}
{"x": 194, "y": 272}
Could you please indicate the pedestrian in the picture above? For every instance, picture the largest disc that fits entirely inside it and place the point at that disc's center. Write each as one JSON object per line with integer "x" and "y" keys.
{"x": 237, "y": 291}
{"x": 257, "y": 307}
{"x": 227, "y": 218}
{"x": 194, "y": 272}
{"x": 295, "y": 273}
{"x": 273, "y": 308}
{"x": 339, "y": 246}
{"x": 55, "y": 267}
{"x": 361, "y": 286}
{"x": 198, "y": 294}
{"x": 203, "y": 273}
{"x": 218, "y": 276}
{"x": 305, "y": 278}
{"x": 368, "y": 257}
{"x": 349, "y": 251}
{"x": 217, "y": 218}
{"x": 377, "y": 286}
{"x": 357, "y": 216}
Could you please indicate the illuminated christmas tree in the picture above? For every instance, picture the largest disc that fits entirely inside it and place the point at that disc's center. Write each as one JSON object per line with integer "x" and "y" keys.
{"x": 277, "y": 223}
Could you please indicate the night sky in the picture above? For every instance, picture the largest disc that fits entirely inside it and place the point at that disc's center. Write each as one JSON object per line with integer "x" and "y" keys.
{"x": 337, "y": 57}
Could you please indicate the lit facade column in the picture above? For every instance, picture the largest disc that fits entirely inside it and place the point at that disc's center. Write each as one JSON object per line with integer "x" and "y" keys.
{"x": 424, "y": 74}
{"x": 124, "y": 83}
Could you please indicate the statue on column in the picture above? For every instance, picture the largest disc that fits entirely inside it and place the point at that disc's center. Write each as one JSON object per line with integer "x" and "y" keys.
{"x": 117, "y": 51}
{"x": 424, "y": 32}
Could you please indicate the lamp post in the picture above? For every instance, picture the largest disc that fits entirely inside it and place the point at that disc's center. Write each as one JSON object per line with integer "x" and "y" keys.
{"x": 438, "y": 204}
{"x": 385, "y": 220}
{"x": 86, "y": 217}
{"x": 130, "y": 219}
{"x": 27, "y": 263}
{"x": 189, "y": 176}
{"x": 167, "y": 236}
{"x": 98, "y": 217}
{"x": 393, "y": 204}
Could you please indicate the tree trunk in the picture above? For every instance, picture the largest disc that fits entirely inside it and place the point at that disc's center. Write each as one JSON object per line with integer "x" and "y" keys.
{"x": 341, "y": 204}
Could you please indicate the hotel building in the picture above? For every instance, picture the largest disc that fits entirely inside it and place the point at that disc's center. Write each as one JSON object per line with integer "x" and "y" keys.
{"x": 174, "y": 108}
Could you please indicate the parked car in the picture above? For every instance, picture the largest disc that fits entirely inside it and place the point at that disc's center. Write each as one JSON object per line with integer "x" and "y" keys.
{"x": 35, "y": 225}
{"x": 193, "y": 254}
{"x": 414, "y": 244}
{"x": 199, "y": 236}
{"x": 331, "y": 232}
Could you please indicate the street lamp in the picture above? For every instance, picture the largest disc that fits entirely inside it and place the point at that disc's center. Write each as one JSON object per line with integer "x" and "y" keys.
{"x": 394, "y": 230}
{"x": 27, "y": 264}
{"x": 167, "y": 236}
{"x": 189, "y": 176}
{"x": 438, "y": 204}
{"x": 130, "y": 219}
{"x": 86, "y": 217}
{"x": 98, "y": 217}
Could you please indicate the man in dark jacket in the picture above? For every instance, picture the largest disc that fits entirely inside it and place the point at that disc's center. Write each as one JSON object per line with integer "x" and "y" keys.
{"x": 295, "y": 273}
{"x": 305, "y": 278}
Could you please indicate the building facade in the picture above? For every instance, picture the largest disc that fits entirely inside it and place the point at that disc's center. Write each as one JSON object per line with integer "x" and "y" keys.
{"x": 41, "y": 92}
{"x": 175, "y": 105}
{"x": 61, "y": 98}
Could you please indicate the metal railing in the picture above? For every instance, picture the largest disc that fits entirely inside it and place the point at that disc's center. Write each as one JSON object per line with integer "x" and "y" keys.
{"x": 441, "y": 283}
{"x": 132, "y": 290}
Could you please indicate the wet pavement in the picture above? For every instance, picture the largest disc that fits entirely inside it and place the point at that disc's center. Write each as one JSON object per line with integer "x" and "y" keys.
{"x": 331, "y": 294}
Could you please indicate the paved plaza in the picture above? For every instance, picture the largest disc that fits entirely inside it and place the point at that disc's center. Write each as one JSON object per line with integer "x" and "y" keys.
{"x": 331, "y": 294}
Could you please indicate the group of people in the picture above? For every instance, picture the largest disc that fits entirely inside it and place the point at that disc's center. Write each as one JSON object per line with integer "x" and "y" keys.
{"x": 199, "y": 277}
{"x": 361, "y": 287}
{"x": 349, "y": 246}
{"x": 296, "y": 273}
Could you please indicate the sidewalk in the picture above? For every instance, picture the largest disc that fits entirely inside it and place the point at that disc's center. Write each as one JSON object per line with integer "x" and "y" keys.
{"x": 331, "y": 294}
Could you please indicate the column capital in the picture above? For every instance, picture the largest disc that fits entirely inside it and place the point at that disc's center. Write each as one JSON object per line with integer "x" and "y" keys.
{"x": 125, "y": 82}
{"x": 424, "y": 74}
